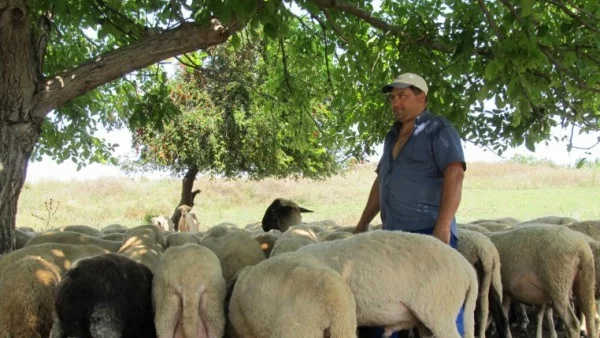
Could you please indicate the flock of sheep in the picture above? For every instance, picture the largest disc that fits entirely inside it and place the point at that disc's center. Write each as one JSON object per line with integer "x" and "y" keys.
{"x": 282, "y": 278}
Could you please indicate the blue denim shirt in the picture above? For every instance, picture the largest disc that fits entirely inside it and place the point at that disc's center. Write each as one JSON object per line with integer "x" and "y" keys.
{"x": 411, "y": 185}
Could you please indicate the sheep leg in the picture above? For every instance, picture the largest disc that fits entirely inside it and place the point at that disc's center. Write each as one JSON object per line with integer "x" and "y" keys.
{"x": 540, "y": 320}
{"x": 566, "y": 313}
{"x": 550, "y": 320}
{"x": 524, "y": 317}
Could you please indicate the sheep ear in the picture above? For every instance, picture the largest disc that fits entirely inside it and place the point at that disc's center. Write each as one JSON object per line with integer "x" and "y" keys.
{"x": 305, "y": 210}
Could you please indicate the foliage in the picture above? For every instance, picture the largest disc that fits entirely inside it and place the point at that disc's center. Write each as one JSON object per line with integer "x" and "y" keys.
{"x": 241, "y": 113}
{"x": 536, "y": 61}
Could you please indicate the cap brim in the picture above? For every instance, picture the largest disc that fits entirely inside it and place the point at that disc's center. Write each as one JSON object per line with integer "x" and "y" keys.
{"x": 391, "y": 86}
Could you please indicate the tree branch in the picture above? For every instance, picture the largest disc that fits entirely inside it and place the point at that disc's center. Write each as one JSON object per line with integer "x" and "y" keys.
{"x": 491, "y": 20}
{"x": 286, "y": 72}
{"x": 573, "y": 15}
{"x": 378, "y": 23}
{"x": 335, "y": 28}
{"x": 61, "y": 88}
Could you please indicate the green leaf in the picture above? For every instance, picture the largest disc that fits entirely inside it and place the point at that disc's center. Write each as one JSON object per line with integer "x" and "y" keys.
{"x": 530, "y": 145}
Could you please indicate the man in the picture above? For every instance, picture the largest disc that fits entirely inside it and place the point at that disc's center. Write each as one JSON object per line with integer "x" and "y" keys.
{"x": 419, "y": 176}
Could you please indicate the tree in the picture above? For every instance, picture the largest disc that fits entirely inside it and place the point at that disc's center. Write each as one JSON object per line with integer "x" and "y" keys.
{"x": 63, "y": 67}
{"x": 233, "y": 122}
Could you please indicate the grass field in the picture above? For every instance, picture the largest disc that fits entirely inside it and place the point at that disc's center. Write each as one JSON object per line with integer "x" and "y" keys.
{"x": 518, "y": 190}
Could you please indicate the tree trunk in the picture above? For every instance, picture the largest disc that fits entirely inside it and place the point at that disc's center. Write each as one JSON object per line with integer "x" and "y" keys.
{"x": 20, "y": 74}
{"x": 16, "y": 145}
{"x": 187, "y": 195}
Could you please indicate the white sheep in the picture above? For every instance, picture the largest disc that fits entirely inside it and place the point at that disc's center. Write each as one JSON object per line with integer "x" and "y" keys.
{"x": 402, "y": 280}
{"x": 76, "y": 238}
{"x": 504, "y": 220}
{"x": 334, "y": 235}
{"x": 292, "y": 295}
{"x": 114, "y": 228}
{"x": 483, "y": 255}
{"x": 541, "y": 264}
{"x": 27, "y": 302}
{"x": 590, "y": 228}
{"x": 188, "y": 293}
{"x": 235, "y": 248}
{"x": 495, "y": 226}
{"x": 557, "y": 220}
{"x": 180, "y": 238}
{"x": 61, "y": 255}
{"x": 163, "y": 222}
{"x": 188, "y": 220}
{"x": 472, "y": 227}
{"x": 294, "y": 238}
{"x": 281, "y": 214}
{"x": 143, "y": 244}
{"x": 83, "y": 229}
{"x": 267, "y": 240}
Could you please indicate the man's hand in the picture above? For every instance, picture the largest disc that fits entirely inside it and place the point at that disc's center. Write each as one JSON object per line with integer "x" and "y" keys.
{"x": 443, "y": 234}
{"x": 360, "y": 228}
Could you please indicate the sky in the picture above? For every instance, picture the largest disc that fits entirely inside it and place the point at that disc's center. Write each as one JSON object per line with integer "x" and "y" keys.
{"x": 49, "y": 169}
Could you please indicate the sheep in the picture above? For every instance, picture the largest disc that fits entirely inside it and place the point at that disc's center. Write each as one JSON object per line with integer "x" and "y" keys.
{"x": 334, "y": 235}
{"x": 294, "y": 238}
{"x": 105, "y": 296}
{"x": 26, "y": 305}
{"x": 495, "y": 226}
{"x": 61, "y": 255}
{"x": 163, "y": 222}
{"x": 401, "y": 280}
{"x": 143, "y": 244}
{"x": 114, "y": 228}
{"x": 114, "y": 236}
{"x": 472, "y": 227}
{"x": 282, "y": 213}
{"x": 590, "y": 228}
{"x": 292, "y": 295}
{"x": 189, "y": 293}
{"x": 22, "y": 237}
{"x": 235, "y": 248}
{"x": 483, "y": 255}
{"x": 76, "y": 238}
{"x": 180, "y": 238}
{"x": 188, "y": 220}
{"x": 267, "y": 240}
{"x": 541, "y": 264}
{"x": 83, "y": 229}
{"x": 504, "y": 220}
{"x": 557, "y": 220}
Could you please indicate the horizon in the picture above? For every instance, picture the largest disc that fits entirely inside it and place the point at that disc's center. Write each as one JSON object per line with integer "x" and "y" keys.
{"x": 554, "y": 152}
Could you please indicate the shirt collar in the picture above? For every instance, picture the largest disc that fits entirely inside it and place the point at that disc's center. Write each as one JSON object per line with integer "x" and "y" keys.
{"x": 422, "y": 118}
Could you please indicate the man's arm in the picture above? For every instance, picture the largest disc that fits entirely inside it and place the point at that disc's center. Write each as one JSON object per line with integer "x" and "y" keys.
{"x": 451, "y": 195}
{"x": 371, "y": 209}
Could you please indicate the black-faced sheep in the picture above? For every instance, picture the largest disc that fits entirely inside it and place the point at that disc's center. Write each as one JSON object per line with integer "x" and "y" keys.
{"x": 281, "y": 214}
{"x": 105, "y": 296}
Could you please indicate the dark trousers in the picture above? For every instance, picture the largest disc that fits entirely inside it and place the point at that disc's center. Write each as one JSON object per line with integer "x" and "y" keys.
{"x": 377, "y": 332}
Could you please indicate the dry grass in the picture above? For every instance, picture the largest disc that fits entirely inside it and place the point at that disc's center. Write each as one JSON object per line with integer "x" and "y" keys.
{"x": 523, "y": 191}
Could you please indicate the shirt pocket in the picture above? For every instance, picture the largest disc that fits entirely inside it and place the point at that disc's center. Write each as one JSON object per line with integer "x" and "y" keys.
{"x": 419, "y": 154}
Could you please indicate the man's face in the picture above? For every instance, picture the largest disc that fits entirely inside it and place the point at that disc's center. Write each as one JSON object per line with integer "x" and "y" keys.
{"x": 405, "y": 104}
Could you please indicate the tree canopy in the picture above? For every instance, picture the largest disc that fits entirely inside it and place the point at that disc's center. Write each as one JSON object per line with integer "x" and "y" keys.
{"x": 66, "y": 67}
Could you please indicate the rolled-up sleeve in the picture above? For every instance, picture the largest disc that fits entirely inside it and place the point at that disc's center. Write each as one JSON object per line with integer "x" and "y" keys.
{"x": 447, "y": 148}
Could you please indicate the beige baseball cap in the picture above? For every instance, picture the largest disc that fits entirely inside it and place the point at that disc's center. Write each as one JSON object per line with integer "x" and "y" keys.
{"x": 406, "y": 80}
